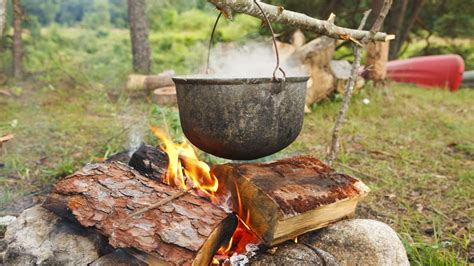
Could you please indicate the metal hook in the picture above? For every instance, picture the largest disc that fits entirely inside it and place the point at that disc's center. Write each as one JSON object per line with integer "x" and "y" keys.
{"x": 210, "y": 42}
{"x": 277, "y": 67}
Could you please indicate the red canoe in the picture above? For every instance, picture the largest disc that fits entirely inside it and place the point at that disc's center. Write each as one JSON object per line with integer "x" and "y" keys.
{"x": 428, "y": 71}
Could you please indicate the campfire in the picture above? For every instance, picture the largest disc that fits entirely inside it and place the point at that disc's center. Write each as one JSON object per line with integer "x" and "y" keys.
{"x": 172, "y": 208}
{"x": 187, "y": 172}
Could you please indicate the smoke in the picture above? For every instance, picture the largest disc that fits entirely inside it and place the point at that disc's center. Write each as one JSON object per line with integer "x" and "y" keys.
{"x": 135, "y": 136}
{"x": 251, "y": 60}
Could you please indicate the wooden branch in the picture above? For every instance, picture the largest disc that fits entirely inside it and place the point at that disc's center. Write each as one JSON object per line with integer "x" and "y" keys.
{"x": 187, "y": 230}
{"x": 334, "y": 148}
{"x": 279, "y": 15}
{"x": 379, "y": 21}
{"x": 283, "y": 199}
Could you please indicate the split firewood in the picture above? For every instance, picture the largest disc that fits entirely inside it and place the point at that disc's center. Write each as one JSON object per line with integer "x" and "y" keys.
{"x": 316, "y": 57}
{"x": 377, "y": 59}
{"x": 187, "y": 230}
{"x": 283, "y": 199}
{"x": 150, "y": 82}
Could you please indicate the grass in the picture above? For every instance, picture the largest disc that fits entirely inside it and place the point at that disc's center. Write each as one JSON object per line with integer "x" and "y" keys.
{"x": 413, "y": 147}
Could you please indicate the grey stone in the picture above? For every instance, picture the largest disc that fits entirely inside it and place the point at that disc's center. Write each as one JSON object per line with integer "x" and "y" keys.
{"x": 360, "y": 242}
{"x": 38, "y": 237}
{"x": 6, "y": 220}
{"x": 294, "y": 254}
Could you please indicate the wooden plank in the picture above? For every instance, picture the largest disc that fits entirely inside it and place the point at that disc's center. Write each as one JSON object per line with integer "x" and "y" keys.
{"x": 186, "y": 231}
{"x": 286, "y": 198}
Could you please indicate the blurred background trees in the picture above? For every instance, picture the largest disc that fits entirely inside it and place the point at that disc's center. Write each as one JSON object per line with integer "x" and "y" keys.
{"x": 178, "y": 28}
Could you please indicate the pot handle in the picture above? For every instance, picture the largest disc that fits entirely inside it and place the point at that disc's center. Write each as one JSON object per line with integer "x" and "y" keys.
{"x": 277, "y": 55}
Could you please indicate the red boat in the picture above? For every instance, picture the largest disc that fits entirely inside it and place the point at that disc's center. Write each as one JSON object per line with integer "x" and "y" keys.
{"x": 443, "y": 71}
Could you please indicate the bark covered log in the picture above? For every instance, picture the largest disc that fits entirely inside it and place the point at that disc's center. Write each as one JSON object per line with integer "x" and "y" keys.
{"x": 139, "y": 36}
{"x": 302, "y": 21}
{"x": 286, "y": 198}
{"x": 187, "y": 230}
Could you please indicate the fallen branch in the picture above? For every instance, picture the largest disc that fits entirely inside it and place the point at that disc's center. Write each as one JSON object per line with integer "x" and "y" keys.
{"x": 279, "y": 15}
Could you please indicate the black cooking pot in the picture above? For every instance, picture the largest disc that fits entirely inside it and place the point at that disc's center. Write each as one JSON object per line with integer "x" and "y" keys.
{"x": 241, "y": 118}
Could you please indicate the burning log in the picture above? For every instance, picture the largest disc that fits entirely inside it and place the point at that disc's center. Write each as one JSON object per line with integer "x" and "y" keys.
{"x": 187, "y": 230}
{"x": 283, "y": 199}
{"x": 150, "y": 162}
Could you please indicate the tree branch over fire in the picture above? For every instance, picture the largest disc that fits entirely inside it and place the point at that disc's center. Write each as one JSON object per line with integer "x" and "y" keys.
{"x": 279, "y": 15}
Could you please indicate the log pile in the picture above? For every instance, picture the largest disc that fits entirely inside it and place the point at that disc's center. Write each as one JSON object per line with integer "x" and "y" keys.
{"x": 278, "y": 200}
{"x": 160, "y": 87}
{"x": 326, "y": 75}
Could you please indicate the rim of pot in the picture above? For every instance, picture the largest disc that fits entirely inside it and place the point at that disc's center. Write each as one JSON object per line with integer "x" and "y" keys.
{"x": 228, "y": 80}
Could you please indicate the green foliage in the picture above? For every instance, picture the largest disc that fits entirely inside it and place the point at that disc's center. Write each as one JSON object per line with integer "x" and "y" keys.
{"x": 99, "y": 16}
{"x": 118, "y": 13}
{"x": 44, "y": 10}
{"x": 449, "y": 18}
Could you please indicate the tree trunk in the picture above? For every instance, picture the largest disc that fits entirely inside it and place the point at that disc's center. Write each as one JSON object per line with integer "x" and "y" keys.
{"x": 3, "y": 15}
{"x": 396, "y": 19}
{"x": 405, "y": 30}
{"x": 139, "y": 36}
{"x": 17, "y": 49}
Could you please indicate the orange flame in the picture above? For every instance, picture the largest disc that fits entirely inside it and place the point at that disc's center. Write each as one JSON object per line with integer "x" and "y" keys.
{"x": 184, "y": 168}
{"x": 243, "y": 235}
